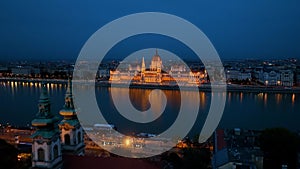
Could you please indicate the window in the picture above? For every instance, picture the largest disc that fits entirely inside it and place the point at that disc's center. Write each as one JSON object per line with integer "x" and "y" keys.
{"x": 79, "y": 137}
{"x": 67, "y": 139}
{"x": 55, "y": 151}
{"x": 41, "y": 154}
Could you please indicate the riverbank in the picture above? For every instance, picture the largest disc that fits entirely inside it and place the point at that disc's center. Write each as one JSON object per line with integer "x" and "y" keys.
{"x": 202, "y": 87}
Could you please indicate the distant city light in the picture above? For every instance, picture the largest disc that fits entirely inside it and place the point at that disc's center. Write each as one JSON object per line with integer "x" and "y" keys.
{"x": 127, "y": 142}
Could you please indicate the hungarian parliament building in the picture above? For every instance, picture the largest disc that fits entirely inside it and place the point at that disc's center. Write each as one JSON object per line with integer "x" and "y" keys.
{"x": 156, "y": 74}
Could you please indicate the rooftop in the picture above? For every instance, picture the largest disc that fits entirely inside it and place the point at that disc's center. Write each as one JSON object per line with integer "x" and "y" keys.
{"x": 80, "y": 162}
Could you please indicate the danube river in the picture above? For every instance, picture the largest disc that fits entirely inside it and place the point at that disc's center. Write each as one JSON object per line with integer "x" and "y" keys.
{"x": 18, "y": 106}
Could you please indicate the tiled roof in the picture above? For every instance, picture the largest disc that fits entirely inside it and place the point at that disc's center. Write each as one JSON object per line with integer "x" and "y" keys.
{"x": 88, "y": 162}
{"x": 221, "y": 143}
{"x": 45, "y": 134}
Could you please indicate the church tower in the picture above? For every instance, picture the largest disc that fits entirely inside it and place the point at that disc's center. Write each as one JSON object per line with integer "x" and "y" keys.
{"x": 143, "y": 70}
{"x": 71, "y": 130}
{"x": 143, "y": 65}
{"x": 46, "y": 147}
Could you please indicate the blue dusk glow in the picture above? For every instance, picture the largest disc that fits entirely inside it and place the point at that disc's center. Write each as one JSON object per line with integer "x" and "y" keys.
{"x": 238, "y": 29}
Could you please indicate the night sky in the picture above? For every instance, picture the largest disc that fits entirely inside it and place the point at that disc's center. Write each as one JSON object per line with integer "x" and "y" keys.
{"x": 57, "y": 29}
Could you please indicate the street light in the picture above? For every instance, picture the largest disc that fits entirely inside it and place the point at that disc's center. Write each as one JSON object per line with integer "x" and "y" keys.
{"x": 278, "y": 82}
{"x": 128, "y": 141}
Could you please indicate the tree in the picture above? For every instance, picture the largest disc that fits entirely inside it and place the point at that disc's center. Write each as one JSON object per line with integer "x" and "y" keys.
{"x": 280, "y": 147}
{"x": 8, "y": 155}
{"x": 196, "y": 158}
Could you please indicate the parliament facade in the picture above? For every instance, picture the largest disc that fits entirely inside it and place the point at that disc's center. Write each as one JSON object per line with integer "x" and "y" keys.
{"x": 156, "y": 74}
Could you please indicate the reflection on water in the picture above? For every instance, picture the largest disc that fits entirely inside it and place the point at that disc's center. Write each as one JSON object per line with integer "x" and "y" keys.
{"x": 265, "y": 98}
{"x": 241, "y": 97}
{"x": 202, "y": 100}
{"x": 246, "y": 110}
{"x": 293, "y": 98}
{"x": 278, "y": 98}
{"x": 139, "y": 98}
{"x": 157, "y": 101}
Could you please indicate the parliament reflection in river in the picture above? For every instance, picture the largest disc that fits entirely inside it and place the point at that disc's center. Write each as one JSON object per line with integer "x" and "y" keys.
{"x": 18, "y": 106}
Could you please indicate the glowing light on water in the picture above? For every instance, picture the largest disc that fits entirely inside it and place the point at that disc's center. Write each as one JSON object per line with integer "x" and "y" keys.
{"x": 265, "y": 98}
{"x": 278, "y": 98}
{"x": 261, "y": 95}
{"x": 241, "y": 97}
{"x": 293, "y": 98}
{"x": 202, "y": 99}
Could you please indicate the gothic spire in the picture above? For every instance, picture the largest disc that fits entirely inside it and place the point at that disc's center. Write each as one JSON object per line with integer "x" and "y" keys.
{"x": 143, "y": 65}
{"x": 69, "y": 87}
{"x": 69, "y": 110}
{"x": 69, "y": 96}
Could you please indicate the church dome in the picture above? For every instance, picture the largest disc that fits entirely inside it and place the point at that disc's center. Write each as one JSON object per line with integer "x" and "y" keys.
{"x": 156, "y": 57}
{"x": 156, "y": 63}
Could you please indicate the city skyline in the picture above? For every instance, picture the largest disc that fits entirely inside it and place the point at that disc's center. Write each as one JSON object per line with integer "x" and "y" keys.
{"x": 149, "y": 84}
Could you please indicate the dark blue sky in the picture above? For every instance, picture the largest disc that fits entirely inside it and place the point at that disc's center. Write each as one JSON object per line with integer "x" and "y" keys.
{"x": 57, "y": 29}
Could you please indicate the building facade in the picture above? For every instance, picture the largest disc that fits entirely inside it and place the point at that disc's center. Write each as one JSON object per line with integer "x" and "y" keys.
{"x": 286, "y": 78}
{"x": 271, "y": 78}
{"x": 156, "y": 74}
{"x": 237, "y": 75}
{"x": 50, "y": 142}
{"x": 46, "y": 146}
{"x": 297, "y": 75}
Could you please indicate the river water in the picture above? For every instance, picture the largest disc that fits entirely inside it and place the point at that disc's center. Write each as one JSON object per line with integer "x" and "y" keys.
{"x": 18, "y": 106}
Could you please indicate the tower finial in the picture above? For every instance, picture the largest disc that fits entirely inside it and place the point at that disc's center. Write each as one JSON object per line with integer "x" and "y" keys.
{"x": 69, "y": 87}
{"x": 143, "y": 65}
{"x": 44, "y": 103}
{"x": 69, "y": 96}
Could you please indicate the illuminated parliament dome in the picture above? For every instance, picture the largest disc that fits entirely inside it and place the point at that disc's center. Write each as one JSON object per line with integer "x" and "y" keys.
{"x": 156, "y": 63}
